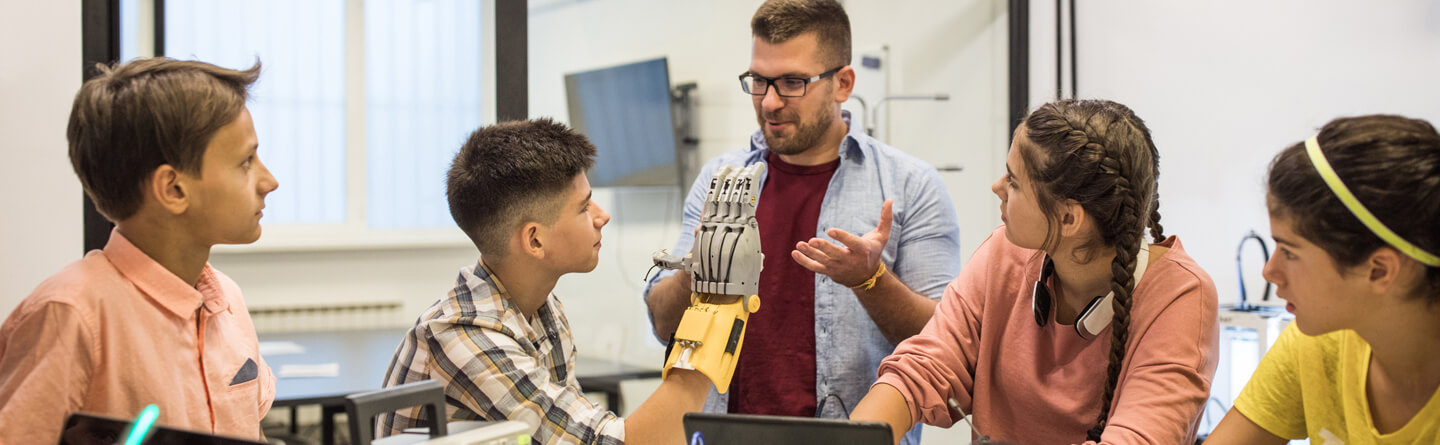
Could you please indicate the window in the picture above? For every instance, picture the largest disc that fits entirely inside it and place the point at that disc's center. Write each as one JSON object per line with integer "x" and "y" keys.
{"x": 422, "y": 86}
{"x": 299, "y": 103}
{"x": 359, "y": 109}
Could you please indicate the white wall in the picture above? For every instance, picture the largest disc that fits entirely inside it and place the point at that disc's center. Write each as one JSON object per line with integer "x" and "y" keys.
{"x": 40, "y": 230}
{"x": 1224, "y": 86}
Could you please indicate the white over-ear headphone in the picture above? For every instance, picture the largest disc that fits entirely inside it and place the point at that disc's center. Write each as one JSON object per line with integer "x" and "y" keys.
{"x": 1098, "y": 314}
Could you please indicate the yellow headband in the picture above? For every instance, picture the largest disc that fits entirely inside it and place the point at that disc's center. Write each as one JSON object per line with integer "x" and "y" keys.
{"x": 1312, "y": 146}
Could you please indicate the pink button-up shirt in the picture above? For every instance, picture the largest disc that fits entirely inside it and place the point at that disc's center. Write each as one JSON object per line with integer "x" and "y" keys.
{"x": 116, "y": 331}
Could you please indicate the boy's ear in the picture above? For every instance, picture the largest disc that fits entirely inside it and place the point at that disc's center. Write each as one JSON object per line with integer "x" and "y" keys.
{"x": 532, "y": 242}
{"x": 169, "y": 188}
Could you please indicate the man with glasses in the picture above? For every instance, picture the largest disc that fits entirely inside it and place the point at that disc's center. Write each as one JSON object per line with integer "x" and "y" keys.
{"x": 835, "y": 301}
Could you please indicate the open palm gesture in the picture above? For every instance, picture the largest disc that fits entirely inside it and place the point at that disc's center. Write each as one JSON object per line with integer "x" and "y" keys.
{"x": 851, "y": 263}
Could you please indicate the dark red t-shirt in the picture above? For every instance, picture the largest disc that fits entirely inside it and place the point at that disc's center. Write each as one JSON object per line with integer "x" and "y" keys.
{"x": 776, "y": 371}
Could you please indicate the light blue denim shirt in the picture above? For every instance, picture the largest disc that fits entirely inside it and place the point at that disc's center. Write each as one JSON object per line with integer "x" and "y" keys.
{"x": 924, "y": 252}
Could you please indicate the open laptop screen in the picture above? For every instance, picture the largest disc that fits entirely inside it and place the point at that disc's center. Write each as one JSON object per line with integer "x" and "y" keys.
{"x": 735, "y": 429}
{"x": 90, "y": 429}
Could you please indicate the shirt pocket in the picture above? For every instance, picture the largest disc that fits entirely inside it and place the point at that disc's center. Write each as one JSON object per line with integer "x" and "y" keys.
{"x": 237, "y": 410}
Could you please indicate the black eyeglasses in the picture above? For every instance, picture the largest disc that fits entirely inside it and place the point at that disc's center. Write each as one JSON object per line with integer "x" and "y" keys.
{"x": 785, "y": 86}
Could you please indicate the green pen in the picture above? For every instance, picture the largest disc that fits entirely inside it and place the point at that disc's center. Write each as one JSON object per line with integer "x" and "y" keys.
{"x": 142, "y": 425}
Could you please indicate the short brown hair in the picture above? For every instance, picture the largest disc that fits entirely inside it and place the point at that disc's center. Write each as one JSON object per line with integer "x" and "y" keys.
{"x": 780, "y": 20}
{"x": 134, "y": 117}
{"x": 512, "y": 173}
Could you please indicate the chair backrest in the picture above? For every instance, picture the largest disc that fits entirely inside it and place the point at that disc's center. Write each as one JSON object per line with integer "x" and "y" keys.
{"x": 362, "y": 408}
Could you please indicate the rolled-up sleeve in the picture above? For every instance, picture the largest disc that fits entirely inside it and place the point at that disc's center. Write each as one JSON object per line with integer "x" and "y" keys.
{"x": 928, "y": 250}
{"x": 689, "y": 220}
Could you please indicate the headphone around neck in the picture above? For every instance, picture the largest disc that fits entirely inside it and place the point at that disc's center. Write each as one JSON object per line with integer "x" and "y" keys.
{"x": 1097, "y": 314}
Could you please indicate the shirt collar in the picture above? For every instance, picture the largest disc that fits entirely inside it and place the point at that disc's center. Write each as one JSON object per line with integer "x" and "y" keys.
{"x": 489, "y": 275}
{"x": 163, "y": 287}
{"x": 532, "y": 328}
{"x": 853, "y": 145}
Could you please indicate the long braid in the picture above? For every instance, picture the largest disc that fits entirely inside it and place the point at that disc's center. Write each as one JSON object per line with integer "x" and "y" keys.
{"x": 1099, "y": 154}
{"x": 1122, "y": 271}
{"x": 1157, "y": 231}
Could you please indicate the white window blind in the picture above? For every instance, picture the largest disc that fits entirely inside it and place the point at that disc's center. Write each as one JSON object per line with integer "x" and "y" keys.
{"x": 422, "y": 84}
{"x": 299, "y": 103}
{"x": 422, "y": 63}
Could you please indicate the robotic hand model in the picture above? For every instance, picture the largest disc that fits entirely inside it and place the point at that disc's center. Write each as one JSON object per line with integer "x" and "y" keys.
{"x": 724, "y": 270}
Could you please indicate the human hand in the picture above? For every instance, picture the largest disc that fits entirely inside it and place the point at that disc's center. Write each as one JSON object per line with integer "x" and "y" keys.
{"x": 852, "y": 263}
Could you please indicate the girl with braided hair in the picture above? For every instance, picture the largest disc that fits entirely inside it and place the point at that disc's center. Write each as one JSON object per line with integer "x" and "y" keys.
{"x": 1066, "y": 325}
{"x": 1355, "y": 214}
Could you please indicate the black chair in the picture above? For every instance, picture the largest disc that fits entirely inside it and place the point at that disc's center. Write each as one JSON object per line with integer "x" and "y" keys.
{"x": 362, "y": 408}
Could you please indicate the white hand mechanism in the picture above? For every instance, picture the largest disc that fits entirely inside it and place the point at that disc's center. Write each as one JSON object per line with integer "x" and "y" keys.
{"x": 724, "y": 271}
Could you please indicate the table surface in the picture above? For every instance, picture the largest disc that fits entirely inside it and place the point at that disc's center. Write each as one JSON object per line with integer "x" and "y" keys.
{"x": 363, "y": 356}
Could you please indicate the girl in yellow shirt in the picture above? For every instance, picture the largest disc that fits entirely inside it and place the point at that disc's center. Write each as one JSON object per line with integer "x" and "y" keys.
{"x": 1355, "y": 212}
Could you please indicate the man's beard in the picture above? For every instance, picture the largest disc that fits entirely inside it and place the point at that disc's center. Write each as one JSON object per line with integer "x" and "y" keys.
{"x": 807, "y": 134}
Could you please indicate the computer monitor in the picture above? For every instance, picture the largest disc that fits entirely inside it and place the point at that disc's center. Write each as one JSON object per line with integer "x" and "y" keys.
{"x": 625, "y": 110}
{"x": 737, "y": 429}
{"x": 90, "y": 429}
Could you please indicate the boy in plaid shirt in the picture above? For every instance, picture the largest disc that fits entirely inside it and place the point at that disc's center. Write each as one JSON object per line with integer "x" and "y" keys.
{"x": 499, "y": 340}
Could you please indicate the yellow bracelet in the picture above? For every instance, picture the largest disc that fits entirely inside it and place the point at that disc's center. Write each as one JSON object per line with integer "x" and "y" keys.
{"x": 870, "y": 283}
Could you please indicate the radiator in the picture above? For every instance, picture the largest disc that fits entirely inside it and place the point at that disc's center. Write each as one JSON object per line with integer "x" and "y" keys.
{"x": 329, "y": 317}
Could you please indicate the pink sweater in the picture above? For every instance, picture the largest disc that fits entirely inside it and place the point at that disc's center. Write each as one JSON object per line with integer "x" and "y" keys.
{"x": 1031, "y": 384}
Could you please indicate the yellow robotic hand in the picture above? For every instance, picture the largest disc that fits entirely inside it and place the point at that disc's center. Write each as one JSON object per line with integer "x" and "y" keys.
{"x": 725, "y": 276}
{"x": 710, "y": 337}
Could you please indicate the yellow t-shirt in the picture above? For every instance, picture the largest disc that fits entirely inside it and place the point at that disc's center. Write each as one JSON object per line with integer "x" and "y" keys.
{"x": 1315, "y": 387}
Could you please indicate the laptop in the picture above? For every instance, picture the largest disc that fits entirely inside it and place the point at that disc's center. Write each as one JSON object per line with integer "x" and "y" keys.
{"x": 90, "y": 429}
{"x": 747, "y": 429}
{"x": 466, "y": 432}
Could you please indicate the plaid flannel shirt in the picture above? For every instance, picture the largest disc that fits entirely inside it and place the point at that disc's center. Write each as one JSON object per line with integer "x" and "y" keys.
{"x": 497, "y": 366}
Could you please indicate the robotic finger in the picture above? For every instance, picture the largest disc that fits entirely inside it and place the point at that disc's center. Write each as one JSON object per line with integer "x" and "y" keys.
{"x": 725, "y": 276}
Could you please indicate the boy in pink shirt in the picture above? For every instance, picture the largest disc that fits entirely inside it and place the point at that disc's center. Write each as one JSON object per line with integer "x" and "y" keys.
{"x": 1066, "y": 326}
{"x": 166, "y": 150}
